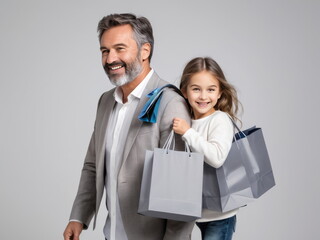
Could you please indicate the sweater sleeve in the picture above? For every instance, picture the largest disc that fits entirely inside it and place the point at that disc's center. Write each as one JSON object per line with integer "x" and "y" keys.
{"x": 215, "y": 144}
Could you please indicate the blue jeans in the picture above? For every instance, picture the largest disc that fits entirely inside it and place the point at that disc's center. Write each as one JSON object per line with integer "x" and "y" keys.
{"x": 218, "y": 230}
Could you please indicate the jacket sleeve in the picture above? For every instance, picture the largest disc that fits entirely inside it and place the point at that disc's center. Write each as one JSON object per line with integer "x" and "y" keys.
{"x": 84, "y": 205}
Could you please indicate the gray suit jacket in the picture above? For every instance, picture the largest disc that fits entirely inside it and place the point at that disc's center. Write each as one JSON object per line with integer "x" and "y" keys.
{"x": 141, "y": 136}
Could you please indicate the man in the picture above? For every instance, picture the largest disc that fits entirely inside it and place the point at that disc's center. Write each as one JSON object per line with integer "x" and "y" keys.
{"x": 116, "y": 152}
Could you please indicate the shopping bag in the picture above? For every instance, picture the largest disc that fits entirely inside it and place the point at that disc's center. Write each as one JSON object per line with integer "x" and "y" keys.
{"x": 256, "y": 160}
{"x": 171, "y": 185}
{"x": 245, "y": 175}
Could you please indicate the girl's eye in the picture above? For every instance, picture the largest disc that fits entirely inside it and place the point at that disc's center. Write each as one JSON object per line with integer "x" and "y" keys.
{"x": 211, "y": 90}
{"x": 195, "y": 89}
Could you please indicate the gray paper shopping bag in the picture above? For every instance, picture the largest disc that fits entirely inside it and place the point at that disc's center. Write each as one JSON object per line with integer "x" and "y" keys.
{"x": 256, "y": 161}
{"x": 171, "y": 185}
{"x": 227, "y": 187}
{"x": 245, "y": 175}
{"x": 146, "y": 182}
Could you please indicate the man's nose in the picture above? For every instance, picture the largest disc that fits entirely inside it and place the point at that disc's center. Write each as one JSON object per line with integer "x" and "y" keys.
{"x": 112, "y": 57}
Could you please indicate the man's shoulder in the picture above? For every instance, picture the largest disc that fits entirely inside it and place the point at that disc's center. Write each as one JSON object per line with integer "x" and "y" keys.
{"x": 106, "y": 96}
{"x": 172, "y": 105}
{"x": 171, "y": 96}
{"x": 171, "y": 92}
{"x": 108, "y": 93}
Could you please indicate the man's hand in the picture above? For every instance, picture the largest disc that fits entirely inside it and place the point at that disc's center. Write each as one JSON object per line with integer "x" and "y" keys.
{"x": 73, "y": 231}
{"x": 180, "y": 126}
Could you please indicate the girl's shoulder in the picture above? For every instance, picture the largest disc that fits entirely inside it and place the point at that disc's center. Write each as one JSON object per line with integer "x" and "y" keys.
{"x": 216, "y": 119}
{"x": 219, "y": 117}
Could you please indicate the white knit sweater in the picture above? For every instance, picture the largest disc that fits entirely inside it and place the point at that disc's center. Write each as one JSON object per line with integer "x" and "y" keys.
{"x": 212, "y": 136}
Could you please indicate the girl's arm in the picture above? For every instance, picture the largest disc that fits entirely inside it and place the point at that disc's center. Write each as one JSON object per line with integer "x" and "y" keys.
{"x": 214, "y": 142}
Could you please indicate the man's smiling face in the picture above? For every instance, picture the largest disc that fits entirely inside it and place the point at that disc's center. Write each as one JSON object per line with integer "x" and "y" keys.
{"x": 120, "y": 55}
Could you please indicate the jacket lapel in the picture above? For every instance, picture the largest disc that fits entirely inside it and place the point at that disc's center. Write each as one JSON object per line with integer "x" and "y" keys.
{"x": 106, "y": 108}
{"x": 136, "y": 123}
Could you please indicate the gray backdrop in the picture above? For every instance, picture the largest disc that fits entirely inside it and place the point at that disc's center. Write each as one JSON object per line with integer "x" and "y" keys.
{"x": 51, "y": 79}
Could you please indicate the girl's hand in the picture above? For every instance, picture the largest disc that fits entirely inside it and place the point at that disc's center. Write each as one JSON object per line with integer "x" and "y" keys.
{"x": 180, "y": 126}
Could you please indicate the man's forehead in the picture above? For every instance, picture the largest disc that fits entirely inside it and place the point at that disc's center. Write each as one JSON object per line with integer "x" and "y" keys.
{"x": 118, "y": 35}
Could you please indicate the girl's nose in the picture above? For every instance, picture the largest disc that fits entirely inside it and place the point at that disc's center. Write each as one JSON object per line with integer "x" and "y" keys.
{"x": 203, "y": 95}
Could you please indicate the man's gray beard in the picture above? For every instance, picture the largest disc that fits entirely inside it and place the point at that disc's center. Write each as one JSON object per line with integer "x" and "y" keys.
{"x": 133, "y": 71}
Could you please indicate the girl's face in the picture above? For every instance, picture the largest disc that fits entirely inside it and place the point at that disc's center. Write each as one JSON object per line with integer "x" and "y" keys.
{"x": 202, "y": 92}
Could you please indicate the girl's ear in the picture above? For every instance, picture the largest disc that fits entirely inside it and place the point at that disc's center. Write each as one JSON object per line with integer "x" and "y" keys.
{"x": 145, "y": 51}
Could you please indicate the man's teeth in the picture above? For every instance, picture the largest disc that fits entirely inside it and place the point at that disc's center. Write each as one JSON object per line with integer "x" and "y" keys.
{"x": 115, "y": 68}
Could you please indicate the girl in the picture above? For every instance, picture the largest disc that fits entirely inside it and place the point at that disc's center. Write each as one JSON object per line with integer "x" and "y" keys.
{"x": 211, "y": 99}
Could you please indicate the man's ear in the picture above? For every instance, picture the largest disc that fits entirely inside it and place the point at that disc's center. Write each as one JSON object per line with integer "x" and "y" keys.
{"x": 145, "y": 51}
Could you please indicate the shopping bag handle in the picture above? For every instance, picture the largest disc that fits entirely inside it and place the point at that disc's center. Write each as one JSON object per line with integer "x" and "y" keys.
{"x": 236, "y": 126}
{"x": 171, "y": 142}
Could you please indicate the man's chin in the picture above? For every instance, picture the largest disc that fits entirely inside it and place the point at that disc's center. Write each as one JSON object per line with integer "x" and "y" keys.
{"x": 119, "y": 81}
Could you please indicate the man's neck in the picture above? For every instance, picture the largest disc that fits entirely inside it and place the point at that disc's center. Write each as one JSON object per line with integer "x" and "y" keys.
{"x": 129, "y": 87}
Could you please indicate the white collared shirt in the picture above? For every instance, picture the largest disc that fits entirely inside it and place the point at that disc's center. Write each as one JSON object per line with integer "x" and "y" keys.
{"x": 116, "y": 133}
